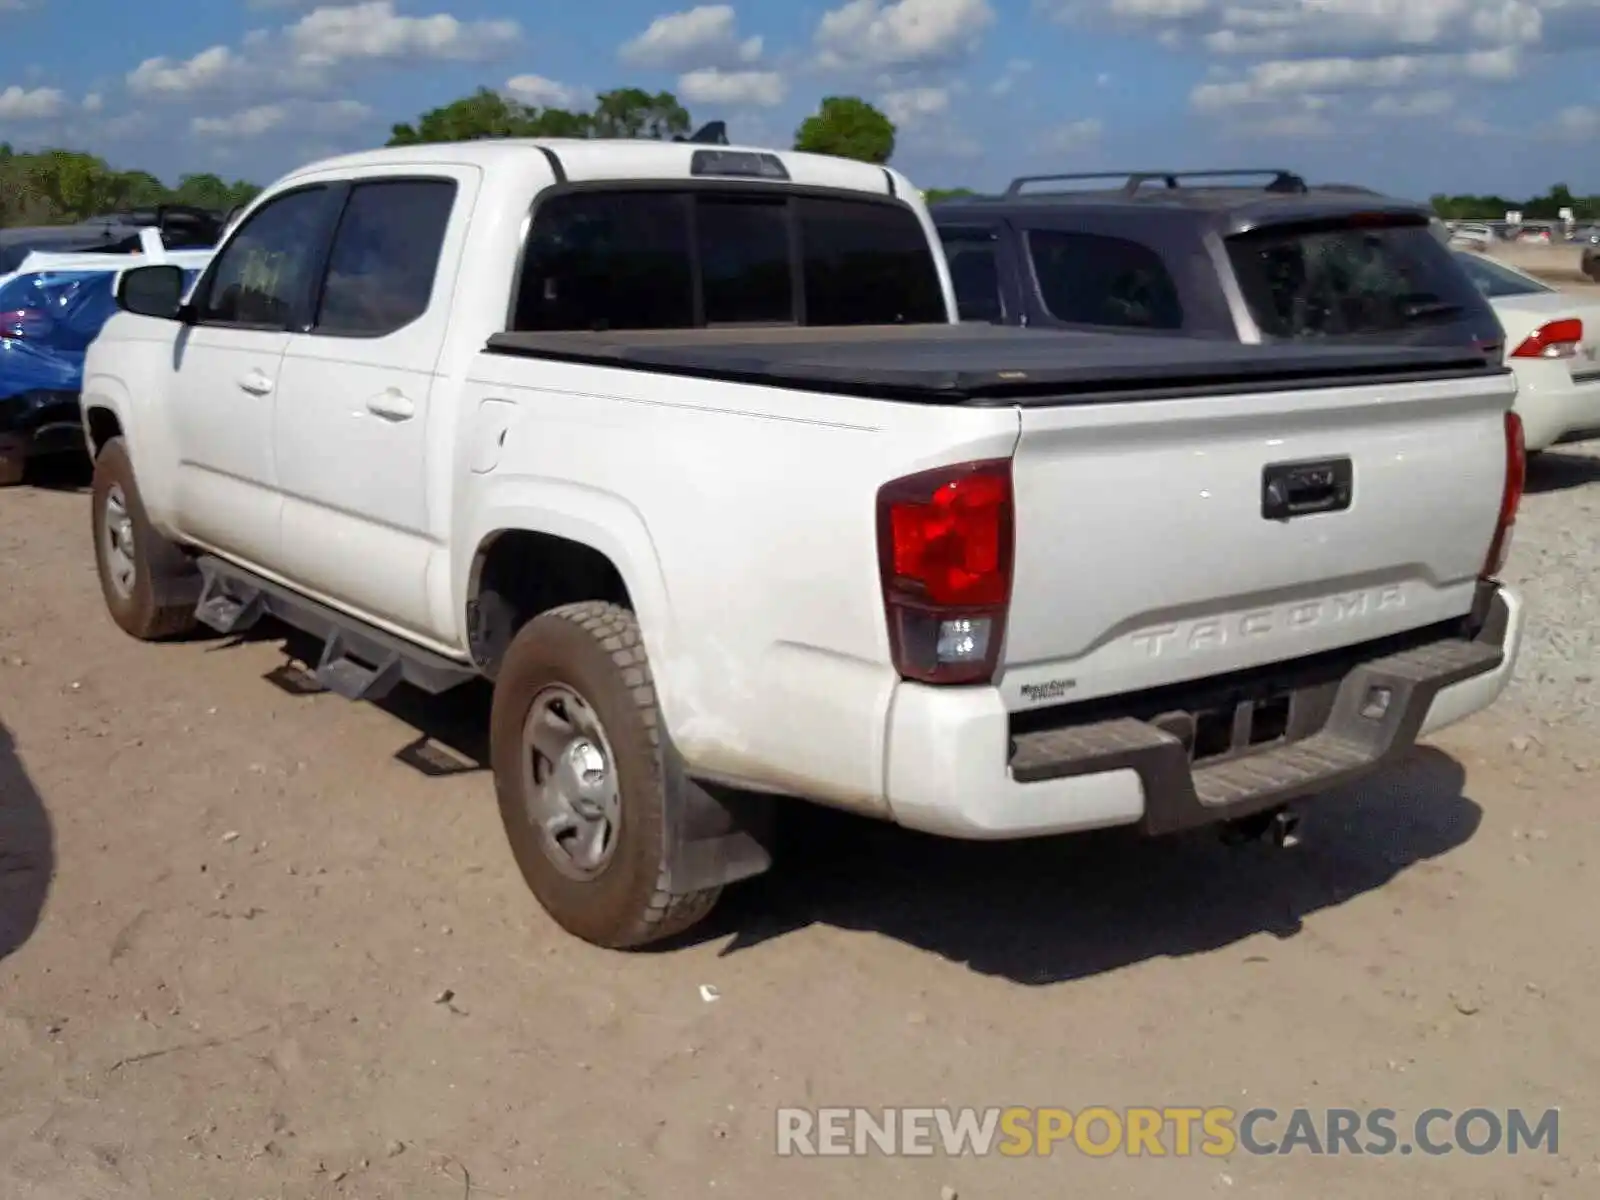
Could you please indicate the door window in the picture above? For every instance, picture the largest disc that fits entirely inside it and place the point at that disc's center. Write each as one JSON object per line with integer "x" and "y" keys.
{"x": 263, "y": 274}
{"x": 385, "y": 255}
{"x": 974, "y": 273}
{"x": 1093, "y": 279}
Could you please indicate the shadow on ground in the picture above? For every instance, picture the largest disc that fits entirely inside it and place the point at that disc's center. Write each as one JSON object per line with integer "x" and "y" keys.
{"x": 1560, "y": 471}
{"x": 1046, "y": 911}
{"x": 27, "y": 850}
{"x": 61, "y": 473}
{"x": 1043, "y": 910}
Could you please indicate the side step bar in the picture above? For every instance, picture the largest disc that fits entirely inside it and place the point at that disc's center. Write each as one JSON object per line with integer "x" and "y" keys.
{"x": 359, "y": 662}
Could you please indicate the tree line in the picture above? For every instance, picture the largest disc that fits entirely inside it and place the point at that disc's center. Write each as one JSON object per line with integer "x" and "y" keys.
{"x": 55, "y": 187}
{"x": 1536, "y": 208}
{"x": 60, "y": 186}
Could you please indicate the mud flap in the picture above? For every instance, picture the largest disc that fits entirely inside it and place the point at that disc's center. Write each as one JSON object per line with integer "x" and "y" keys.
{"x": 715, "y": 835}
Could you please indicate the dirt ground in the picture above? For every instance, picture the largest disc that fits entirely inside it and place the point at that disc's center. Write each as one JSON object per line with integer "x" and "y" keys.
{"x": 247, "y": 951}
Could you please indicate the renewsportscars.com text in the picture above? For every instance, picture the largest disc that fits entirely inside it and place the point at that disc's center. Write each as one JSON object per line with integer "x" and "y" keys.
{"x": 1167, "y": 1131}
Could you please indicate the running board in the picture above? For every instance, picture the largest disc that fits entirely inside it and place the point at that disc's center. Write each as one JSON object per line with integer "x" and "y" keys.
{"x": 359, "y": 661}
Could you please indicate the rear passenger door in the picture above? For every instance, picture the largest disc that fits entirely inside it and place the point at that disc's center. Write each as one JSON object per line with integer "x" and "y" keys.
{"x": 364, "y": 502}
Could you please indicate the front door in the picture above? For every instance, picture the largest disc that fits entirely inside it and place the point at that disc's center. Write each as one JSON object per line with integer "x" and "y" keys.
{"x": 365, "y": 511}
{"x": 225, "y": 376}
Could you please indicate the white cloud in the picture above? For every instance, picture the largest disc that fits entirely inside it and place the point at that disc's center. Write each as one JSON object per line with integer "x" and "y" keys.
{"x": 252, "y": 122}
{"x": 1274, "y": 81}
{"x": 1282, "y": 27}
{"x": 93, "y": 102}
{"x": 707, "y": 36}
{"x": 543, "y": 93}
{"x": 1432, "y": 103}
{"x": 304, "y": 117}
{"x": 910, "y": 107}
{"x": 735, "y": 88}
{"x": 902, "y": 33}
{"x": 1578, "y": 122}
{"x": 305, "y": 55}
{"x": 1072, "y": 136}
{"x": 40, "y": 104}
{"x": 164, "y": 75}
{"x": 1010, "y": 76}
{"x": 373, "y": 30}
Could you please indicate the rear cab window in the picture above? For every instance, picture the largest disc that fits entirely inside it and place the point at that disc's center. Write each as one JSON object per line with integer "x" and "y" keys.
{"x": 683, "y": 257}
{"x": 1340, "y": 278}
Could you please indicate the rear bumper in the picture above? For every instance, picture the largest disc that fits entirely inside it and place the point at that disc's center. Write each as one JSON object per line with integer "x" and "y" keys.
{"x": 950, "y": 771}
{"x": 1556, "y": 409}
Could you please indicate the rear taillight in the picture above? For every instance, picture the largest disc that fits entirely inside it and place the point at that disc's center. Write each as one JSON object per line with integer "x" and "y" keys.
{"x": 24, "y": 323}
{"x": 945, "y": 540}
{"x": 1510, "y": 497}
{"x": 1554, "y": 339}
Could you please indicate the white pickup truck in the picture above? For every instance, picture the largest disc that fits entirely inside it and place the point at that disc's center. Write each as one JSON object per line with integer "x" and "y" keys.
{"x": 681, "y": 447}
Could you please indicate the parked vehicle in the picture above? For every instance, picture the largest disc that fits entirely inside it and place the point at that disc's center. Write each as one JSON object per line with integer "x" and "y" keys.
{"x": 1553, "y": 348}
{"x": 1180, "y": 252}
{"x": 682, "y": 448}
{"x": 49, "y": 313}
{"x": 50, "y": 310}
{"x": 180, "y": 227}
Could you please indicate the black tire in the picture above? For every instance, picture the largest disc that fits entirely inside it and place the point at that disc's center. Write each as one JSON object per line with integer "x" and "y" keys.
{"x": 13, "y": 462}
{"x": 594, "y": 650}
{"x": 160, "y": 602}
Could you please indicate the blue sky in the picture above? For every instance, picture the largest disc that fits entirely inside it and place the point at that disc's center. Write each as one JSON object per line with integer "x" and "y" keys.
{"x": 1415, "y": 96}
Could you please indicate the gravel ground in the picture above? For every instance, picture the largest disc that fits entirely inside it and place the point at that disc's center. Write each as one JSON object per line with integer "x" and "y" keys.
{"x": 1556, "y": 562}
{"x": 246, "y": 953}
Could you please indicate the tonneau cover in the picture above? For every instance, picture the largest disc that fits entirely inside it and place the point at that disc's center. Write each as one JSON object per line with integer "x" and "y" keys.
{"x": 998, "y": 364}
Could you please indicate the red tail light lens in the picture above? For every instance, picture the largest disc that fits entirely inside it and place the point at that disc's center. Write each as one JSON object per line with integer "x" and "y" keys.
{"x": 24, "y": 323}
{"x": 1510, "y": 497}
{"x": 1554, "y": 339}
{"x": 945, "y": 540}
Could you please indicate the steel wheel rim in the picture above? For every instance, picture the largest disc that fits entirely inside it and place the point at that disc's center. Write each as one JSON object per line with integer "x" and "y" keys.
{"x": 569, "y": 782}
{"x": 116, "y": 537}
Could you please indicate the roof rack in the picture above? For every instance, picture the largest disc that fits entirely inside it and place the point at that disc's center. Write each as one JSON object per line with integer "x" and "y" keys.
{"x": 1281, "y": 180}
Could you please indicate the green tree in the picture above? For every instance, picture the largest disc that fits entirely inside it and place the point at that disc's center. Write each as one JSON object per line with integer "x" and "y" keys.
{"x": 848, "y": 127}
{"x": 635, "y": 113}
{"x": 623, "y": 113}
{"x": 934, "y": 195}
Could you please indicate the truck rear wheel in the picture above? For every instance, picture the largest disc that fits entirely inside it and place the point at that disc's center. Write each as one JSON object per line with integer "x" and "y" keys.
{"x": 582, "y": 780}
{"x": 137, "y": 565}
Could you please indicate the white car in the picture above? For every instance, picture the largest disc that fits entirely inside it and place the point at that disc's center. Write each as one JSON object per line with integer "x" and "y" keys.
{"x": 1553, "y": 347}
{"x": 569, "y": 415}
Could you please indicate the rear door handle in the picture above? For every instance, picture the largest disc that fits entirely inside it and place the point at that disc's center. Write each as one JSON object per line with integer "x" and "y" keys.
{"x": 256, "y": 383}
{"x": 392, "y": 405}
{"x": 1299, "y": 489}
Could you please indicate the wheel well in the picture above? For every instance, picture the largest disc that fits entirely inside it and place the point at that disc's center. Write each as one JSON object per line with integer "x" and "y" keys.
{"x": 518, "y": 574}
{"x": 103, "y": 426}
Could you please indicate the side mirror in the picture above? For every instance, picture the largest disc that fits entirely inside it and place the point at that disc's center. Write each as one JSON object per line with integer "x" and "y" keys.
{"x": 155, "y": 291}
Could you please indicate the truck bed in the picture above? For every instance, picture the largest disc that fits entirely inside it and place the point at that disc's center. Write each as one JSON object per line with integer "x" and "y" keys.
{"x": 990, "y": 364}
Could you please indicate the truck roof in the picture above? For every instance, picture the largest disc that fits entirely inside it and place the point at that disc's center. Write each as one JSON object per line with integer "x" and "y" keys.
{"x": 583, "y": 160}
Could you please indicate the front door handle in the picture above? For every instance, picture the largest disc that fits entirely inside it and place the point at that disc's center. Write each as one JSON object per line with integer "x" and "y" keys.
{"x": 256, "y": 383}
{"x": 392, "y": 405}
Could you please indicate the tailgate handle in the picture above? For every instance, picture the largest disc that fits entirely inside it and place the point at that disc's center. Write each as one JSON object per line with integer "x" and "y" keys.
{"x": 1301, "y": 488}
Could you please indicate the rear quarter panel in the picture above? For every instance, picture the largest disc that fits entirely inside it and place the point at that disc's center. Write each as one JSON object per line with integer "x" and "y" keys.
{"x": 743, "y": 520}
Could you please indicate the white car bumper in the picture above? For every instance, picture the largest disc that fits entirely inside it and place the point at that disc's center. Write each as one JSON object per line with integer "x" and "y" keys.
{"x": 1554, "y": 406}
{"x": 958, "y": 768}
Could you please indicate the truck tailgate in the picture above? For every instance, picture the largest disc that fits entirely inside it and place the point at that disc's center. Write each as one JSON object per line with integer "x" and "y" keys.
{"x": 1148, "y": 552}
